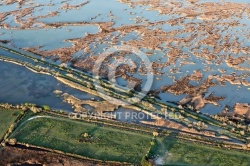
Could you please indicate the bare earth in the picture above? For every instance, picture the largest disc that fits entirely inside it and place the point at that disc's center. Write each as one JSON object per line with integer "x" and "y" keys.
{"x": 16, "y": 156}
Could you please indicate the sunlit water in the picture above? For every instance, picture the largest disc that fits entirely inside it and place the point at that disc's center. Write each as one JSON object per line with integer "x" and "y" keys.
{"x": 99, "y": 11}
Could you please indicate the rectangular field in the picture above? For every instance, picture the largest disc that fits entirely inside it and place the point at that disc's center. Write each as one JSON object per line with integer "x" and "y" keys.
{"x": 86, "y": 139}
{"x": 7, "y": 117}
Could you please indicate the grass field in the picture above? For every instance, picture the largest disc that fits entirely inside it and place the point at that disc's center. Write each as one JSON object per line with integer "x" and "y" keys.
{"x": 7, "y": 117}
{"x": 177, "y": 152}
{"x": 102, "y": 143}
{"x": 112, "y": 144}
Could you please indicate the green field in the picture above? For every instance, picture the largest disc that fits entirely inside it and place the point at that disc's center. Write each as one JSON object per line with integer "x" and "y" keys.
{"x": 180, "y": 153}
{"x": 7, "y": 117}
{"x": 113, "y": 144}
{"x": 102, "y": 143}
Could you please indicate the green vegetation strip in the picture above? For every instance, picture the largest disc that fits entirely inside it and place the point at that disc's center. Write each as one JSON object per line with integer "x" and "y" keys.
{"x": 85, "y": 139}
{"x": 174, "y": 152}
{"x": 7, "y": 118}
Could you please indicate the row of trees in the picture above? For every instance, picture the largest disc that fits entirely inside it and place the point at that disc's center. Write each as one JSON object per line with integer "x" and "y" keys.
{"x": 26, "y": 106}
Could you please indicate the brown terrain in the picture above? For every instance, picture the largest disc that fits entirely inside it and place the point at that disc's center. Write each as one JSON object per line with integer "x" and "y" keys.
{"x": 16, "y": 156}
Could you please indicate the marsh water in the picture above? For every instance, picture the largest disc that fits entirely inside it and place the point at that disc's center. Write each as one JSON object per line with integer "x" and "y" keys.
{"x": 20, "y": 85}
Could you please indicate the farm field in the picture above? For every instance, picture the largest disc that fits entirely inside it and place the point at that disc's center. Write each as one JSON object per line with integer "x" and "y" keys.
{"x": 7, "y": 118}
{"x": 174, "y": 152}
{"x": 85, "y": 139}
{"x": 112, "y": 144}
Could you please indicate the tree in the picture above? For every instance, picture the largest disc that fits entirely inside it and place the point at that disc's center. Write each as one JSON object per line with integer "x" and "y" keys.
{"x": 85, "y": 135}
{"x": 46, "y": 107}
{"x": 12, "y": 141}
{"x": 35, "y": 109}
{"x": 155, "y": 134}
{"x": 11, "y": 128}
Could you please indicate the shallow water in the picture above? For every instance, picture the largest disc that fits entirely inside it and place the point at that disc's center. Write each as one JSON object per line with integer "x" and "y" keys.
{"x": 20, "y": 85}
{"x": 97, "y": 11}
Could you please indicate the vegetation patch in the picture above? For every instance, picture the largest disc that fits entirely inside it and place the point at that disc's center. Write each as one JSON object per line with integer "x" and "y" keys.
{"x": 85, "y": 139}
{"x": 169, "y": 151}
{"x": 7, "y": 118}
